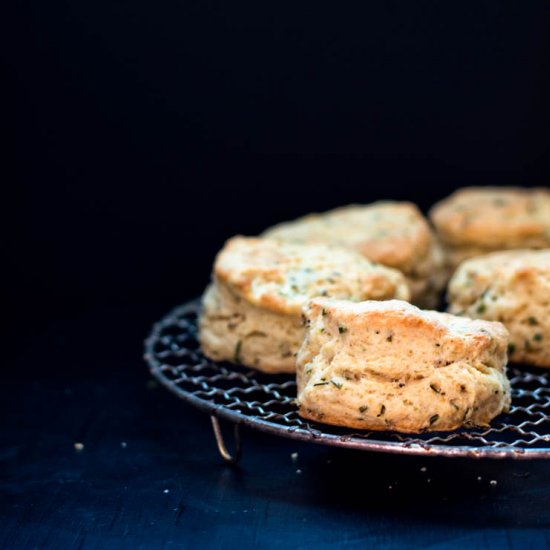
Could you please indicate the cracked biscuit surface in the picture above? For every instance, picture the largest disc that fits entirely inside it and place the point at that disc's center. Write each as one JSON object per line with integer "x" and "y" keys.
{"x": 512, "y": 287}
{"x": 252, "y": 310}
{"x": 394, "y": 234}
{"x": 391, "y": 366}
{"x": 477, "y": 220}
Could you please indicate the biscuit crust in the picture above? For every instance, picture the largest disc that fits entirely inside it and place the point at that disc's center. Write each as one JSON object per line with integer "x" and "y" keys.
{"x": 512, "y": 287}
{"x": 391, "y": 366}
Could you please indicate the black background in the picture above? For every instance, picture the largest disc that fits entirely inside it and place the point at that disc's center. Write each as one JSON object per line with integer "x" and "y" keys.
{"x": 144, "y": 134}
{"x": 140, "y": 136}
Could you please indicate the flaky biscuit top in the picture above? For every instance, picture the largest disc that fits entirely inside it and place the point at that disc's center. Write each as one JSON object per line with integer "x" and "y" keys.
{"x": 506, "y": 217}
{"x": 282, "y": 276}
{"x": 392, "y": 233}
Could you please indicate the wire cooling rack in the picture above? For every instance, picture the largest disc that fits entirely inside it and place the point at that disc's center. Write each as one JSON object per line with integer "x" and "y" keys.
{"x": 266, "y": 403}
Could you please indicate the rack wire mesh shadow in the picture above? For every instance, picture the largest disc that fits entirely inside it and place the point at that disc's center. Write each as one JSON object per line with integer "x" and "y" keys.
{"x": 266, "y": 402}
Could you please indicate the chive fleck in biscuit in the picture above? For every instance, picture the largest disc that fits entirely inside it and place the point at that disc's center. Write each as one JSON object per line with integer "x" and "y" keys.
{"x": 252, "y": 310}
{"x": 512, "y": 287}
{"x": 391, "y": 366}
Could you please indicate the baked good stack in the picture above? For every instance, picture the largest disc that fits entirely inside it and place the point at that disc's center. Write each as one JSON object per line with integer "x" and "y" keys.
{"x": 327, "y": 297}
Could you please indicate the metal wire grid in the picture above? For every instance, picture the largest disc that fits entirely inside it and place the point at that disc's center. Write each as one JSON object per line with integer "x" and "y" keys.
{"x": 266, "y": 402}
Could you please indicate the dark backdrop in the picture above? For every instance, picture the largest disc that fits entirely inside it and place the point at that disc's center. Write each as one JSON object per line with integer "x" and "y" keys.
{"x": 140, "y": 135}
{"x": 143, "y": 134}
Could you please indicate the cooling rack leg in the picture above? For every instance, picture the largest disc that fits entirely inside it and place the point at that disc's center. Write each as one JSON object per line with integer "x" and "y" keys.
{"x": 226, "y": 455}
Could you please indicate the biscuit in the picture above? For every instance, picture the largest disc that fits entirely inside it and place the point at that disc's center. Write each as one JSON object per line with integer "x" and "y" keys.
{"x": 252, "y": 310}
{"x": 394, "y": 234}
{"x": 391, "y": 366}
{"x": 476, "y": 220}
{"x": 512, "y": 287}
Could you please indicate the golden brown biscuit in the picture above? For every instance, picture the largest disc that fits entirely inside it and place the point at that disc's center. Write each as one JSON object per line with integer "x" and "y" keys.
{"x": 512, "y": 287}
{"x": 477, "y": 220}
{"x": 391, "y": 366}
{"x": 394, "y": 234}
{"x": 252, "y": 311}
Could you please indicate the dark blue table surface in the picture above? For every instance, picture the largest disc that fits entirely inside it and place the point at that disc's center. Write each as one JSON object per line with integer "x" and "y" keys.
{"x": 149, "y": 475}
